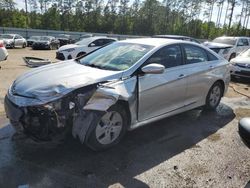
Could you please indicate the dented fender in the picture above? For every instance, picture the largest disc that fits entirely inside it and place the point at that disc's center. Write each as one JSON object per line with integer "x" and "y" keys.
{"x": 109, "y": 93}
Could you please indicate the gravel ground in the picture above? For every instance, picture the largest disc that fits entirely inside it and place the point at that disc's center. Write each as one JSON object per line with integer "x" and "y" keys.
{"x": 193, "y": 149}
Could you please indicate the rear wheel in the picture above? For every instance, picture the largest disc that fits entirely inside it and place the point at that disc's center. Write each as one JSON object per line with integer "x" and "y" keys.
{"x": 108, "y": 130}
{"x": 24, "y": 45}
{"x": 214, "y": 96}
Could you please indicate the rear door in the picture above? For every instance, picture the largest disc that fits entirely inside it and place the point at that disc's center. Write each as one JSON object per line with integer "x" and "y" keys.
{"x": 200, "y": 65}
{"x": 166, "y": 92}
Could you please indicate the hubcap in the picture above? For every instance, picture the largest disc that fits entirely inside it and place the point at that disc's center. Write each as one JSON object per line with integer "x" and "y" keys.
{"x": 109, "y": 128}
{"x": 215, "y": 96}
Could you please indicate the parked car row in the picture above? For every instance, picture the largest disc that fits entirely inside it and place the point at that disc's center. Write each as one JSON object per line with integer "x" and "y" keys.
{"x": 226, "y": 46}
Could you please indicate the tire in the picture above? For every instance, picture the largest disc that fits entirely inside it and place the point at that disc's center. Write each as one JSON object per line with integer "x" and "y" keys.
{"x": 24, "y": 45}
{"x": 80, "y": 54}
{"x": 99, "y": 134}
{"x": 232, "y": 56}
{"x": 214, "y": 96}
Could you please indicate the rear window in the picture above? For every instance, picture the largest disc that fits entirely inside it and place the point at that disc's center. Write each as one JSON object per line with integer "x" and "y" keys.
{"x": 195, "y": 54}
{"x": 229, "y": 41}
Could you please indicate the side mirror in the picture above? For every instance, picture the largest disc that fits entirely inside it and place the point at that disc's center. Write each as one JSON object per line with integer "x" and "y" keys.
{"x": 153, "y": 68}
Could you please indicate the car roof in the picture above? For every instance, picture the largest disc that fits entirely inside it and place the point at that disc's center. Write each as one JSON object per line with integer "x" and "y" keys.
{"x": 173, "y": 36}
{"x": 91, "y": 39}
{"x": 8, "y": 34}
{"x": 232, "y": 37}
{"x": 155, "y": 41}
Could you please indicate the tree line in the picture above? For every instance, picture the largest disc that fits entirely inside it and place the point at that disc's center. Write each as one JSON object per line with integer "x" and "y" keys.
{"x": 135, "y": 17}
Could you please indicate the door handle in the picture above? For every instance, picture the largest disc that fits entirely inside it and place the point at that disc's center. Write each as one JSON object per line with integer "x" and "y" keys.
{"x": 211, "y": 66}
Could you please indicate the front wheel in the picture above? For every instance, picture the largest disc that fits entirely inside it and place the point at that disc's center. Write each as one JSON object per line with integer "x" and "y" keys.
{"x": 214, "y": 96}
{"x": 24, "y": 45}
{"x": 109, "y": 129}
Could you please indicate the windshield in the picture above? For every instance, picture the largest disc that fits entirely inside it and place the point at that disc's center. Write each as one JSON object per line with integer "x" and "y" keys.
{"x": 84, "y": 41}
{"x": 6, "y": 36}
{"x": 45, "y": 38}
{"x": 246, "y": 53}
{"x": 35, "y": 37}
{"x": 116, "y": 56}
{"x": 230, "y": 41}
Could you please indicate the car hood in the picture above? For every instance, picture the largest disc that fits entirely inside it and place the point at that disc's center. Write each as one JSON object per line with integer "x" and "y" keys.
{"x": 8, "y": 40}
{"x": 50, "y": 82}
{"x": 41, "y": 41}
{"x": 241, "y": 60}
{"x": 216, "y": 45}
{"x": 68, "y": 46}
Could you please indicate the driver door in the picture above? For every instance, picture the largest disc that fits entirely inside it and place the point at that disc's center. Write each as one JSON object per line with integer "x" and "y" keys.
{"x": 166, "y": 92}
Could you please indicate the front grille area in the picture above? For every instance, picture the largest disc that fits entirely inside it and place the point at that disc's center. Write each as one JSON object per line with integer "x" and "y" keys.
{"x": 247, "y": 66}
{"x": 243, "y": 73}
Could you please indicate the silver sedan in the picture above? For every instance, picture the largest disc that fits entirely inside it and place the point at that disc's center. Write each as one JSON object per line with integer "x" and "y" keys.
{"x": 117, "y": 88}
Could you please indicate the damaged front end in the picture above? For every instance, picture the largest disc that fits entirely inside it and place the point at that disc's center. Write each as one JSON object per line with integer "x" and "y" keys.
{"x": 49, "y": 121}
{"x": 75, "y": 111}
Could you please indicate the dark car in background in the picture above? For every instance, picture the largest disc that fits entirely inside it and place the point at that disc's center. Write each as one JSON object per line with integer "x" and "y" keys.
{"x": 32, "y": 39}
{"x": 65, "y": 39}
{"x": 177, "y": 37}
{"x": 46, "y": 43}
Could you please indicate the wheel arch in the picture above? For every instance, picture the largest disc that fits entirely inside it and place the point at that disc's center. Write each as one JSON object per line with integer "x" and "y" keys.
{"x": 125, "y": 105}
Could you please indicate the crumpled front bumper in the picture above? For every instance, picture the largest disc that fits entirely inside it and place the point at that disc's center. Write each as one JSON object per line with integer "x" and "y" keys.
{"x": 37, "y": 122}
{"x": 14, "y": 113}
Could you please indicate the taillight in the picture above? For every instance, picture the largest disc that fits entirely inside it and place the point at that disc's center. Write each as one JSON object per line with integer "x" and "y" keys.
{"x": 1, "y": 45}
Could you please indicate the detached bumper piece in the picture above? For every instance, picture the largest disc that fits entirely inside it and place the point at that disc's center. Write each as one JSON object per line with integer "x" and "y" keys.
{"x": 35, "y": 62}
{"x": 244, "y": 130}
{"x": 38, "y": 122}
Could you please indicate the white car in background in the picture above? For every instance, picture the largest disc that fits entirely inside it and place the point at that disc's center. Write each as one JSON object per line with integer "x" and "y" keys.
{"x": 241, "y": 65}
{"x": 229, "y": 47}
{"x": 3, "y": 52}
{"x": 82, "y": 47}
{"x": 13, "y": 40}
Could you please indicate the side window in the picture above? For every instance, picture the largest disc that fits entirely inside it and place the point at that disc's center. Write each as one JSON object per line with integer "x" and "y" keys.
{"x": 169, "y": 56}
{"x": 211, "y": 57}
{"x": 98, "y": 42}
{"x": 245, "y": 42}
{"x": 195, "y": 54}
{"x": 240, "y": 42}
{"x": 106, "y": 41}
